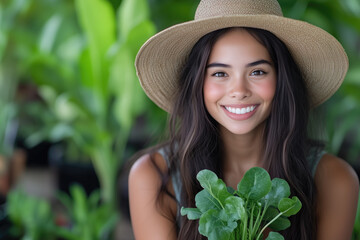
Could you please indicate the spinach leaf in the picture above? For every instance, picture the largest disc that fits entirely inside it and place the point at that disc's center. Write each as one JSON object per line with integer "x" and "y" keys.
{"x": 192, "y": 213}
{"x": 281, "y": 223}
{"x": 275, "y": 236}
{"x": 234, "y": 208}
{"x": 289, "y": 206}
{"x": 255, "y": 184}
{"x": 213, "y": 185}
{"x": 279, "y": 189}
{"x": 205, "y": 201}
{"x": 213, "y": 227}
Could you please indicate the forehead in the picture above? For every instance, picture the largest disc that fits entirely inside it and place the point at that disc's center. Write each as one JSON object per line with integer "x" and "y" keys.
{"x": 238, "y": 44}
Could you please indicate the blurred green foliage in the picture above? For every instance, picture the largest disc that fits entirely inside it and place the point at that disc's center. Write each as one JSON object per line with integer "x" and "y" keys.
{"x": 67, "y": 75}
{"x": 76, "y": 84}
{"x": 8, "y": 80}
{"x": 32, "y": 218}
{"x": 81, "y": 67}
{"x": 166, "y": 13}
{"x": 89, "y": 216}
{"x": 84, "y": 217}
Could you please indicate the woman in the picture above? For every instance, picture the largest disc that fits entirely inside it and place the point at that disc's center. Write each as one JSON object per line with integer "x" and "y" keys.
{"x": 239, "y": 82}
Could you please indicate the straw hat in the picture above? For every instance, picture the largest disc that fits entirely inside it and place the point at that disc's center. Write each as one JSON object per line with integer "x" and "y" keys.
{"x": 321, "y": 58}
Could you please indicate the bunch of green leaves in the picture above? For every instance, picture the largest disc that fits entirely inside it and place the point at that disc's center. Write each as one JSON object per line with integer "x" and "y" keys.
{"x": 258, "y": 203}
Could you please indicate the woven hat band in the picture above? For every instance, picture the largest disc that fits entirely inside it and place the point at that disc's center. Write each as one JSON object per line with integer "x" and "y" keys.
{"x": 216, "y": 8}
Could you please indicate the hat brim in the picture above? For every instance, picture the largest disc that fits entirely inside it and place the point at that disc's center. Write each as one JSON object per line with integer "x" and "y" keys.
{"x": 320, "y": 57}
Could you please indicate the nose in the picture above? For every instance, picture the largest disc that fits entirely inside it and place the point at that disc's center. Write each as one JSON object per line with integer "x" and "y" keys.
{"x": 239, "y": 88}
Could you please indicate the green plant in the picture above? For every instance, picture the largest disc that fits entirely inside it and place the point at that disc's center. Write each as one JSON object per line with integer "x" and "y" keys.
{"x": 245, "y": 213}
{"x": 78, "y": 57}
{"x": 32, "y": 218}
{"x": 8, "y": 78}
{"x": 89, "y": 217}
{"x": 92, "y": 96}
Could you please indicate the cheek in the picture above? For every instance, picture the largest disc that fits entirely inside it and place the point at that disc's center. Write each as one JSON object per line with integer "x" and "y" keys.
{"x": 267, "y": 90}
{"x": 212, "y": 93}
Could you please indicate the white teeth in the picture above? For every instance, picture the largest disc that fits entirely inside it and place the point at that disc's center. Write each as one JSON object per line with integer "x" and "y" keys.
{"x": 240, "y": 110}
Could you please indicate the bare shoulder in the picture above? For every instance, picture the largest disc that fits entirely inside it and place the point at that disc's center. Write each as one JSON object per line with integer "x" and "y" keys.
{"x": 149, "y": 219}
{"x": 335, "y": 172}
{"x": 338, "y": 190}
{"x": 144, "y": 168}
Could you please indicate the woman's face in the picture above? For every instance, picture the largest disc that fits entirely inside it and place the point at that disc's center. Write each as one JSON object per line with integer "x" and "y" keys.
{"x": 240, "y": 82}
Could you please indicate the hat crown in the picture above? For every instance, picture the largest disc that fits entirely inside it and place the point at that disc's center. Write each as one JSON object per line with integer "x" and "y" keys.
{"x": 217, "y": 8}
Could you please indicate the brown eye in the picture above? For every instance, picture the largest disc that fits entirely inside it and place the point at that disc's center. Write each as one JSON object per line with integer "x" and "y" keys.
{"x": 219, "y": 74}
{"x": 258, "y": 73}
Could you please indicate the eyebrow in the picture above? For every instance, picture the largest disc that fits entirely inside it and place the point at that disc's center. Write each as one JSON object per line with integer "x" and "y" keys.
{"x": 217, "y": 65}
{"x": 252, "y": 64}
{"x": 262, "y": 61}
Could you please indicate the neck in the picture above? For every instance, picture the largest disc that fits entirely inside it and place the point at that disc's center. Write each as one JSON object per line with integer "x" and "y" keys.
{"x": 241, "y": 152}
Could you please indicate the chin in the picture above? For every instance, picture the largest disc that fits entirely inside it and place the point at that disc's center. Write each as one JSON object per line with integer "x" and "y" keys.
{"x": 238, "y": 131}
{"x": 244, "y": 130}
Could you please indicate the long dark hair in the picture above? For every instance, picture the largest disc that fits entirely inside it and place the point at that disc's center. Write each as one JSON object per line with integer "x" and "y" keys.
{"x": 195, "y": 142}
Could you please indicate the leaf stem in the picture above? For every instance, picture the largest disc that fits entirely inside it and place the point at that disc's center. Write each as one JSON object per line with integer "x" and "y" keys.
{"x": 244, "y": 229}
{"x": 251, "y": 219}
{"x": 268, "y": 224}
{"x": 259, "y": 218}
{"x": 244, "y": 232}
{"x": 218, "y": 200}
{"x": 274, "y": 219}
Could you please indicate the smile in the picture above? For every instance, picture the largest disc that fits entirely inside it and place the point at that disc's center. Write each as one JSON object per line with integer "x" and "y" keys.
{"x": 241, "y": 110}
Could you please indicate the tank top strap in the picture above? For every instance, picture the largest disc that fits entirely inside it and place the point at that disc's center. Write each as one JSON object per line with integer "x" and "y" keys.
{"x": 176, "y": 184}
{"x": 175, "y": 177}
{"x": 314, "y": 157}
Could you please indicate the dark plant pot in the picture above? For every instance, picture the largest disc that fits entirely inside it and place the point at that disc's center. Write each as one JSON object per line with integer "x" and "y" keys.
{"x": 80, "y": 173}
{"x": 37, "y": 156}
